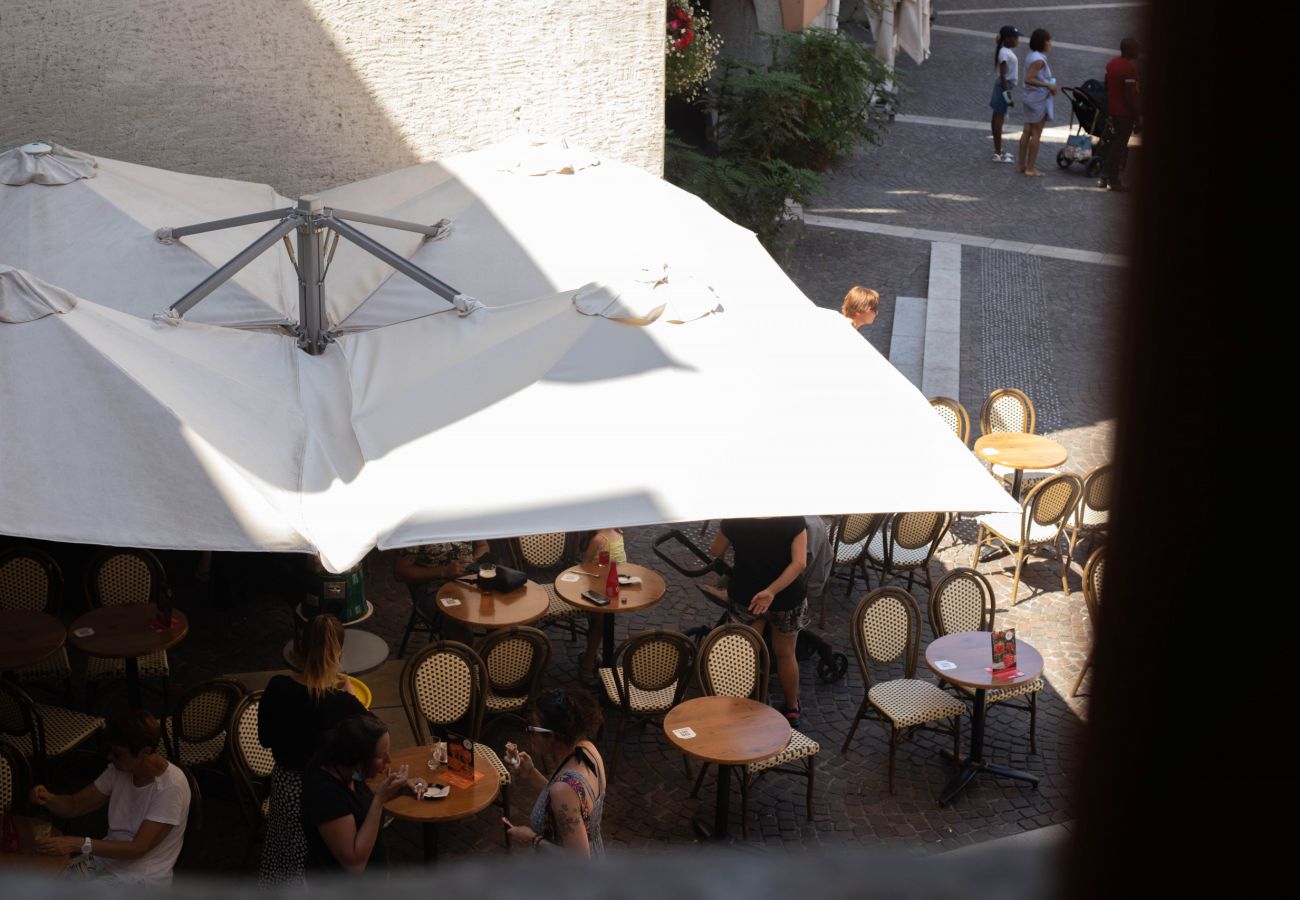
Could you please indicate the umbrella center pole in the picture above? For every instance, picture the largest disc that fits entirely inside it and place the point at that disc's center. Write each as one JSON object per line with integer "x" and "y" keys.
{"x": 312, "y": 334}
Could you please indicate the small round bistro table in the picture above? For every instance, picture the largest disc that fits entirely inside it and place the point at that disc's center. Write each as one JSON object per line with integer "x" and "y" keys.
{"x": 28, "y": 860}
{"x": 1020, "y": 451}
{"x": 28, "y": 637}
{"x": 362, "y": 650}
{"x": 966, "y": 658}
{"x": 461, "y": 803}
{"x": 469, "y": 604}
{"x": 727, "y": 731}
{"x": 127, "y": 632}
{"x": 575, "y": 580}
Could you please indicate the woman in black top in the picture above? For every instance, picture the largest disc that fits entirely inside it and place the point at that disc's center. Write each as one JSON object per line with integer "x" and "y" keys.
{"x": 767, "y": 579}
{"x": 340, "y": 814}
{"x": 295, "y": 711}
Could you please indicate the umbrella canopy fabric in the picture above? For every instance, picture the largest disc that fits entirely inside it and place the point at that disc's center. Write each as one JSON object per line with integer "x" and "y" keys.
{"x": 638, "y": 359}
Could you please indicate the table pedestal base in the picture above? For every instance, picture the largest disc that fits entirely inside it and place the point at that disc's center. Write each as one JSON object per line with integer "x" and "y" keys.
{"x": 974, "y": 764}
{"x": 721, "y": 811}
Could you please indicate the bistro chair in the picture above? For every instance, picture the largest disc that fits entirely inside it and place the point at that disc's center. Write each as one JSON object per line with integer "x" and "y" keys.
{"x": 195, "y": 733}
{"x": 515, "y": 659}
{"x": 849, "y": 537}
{"x": 192, "y": 840}
{"x": 544, "y": 555}
{"x": 733, "y": 661}
{"x": 954, "y": 415}
{"x": 1093, "y": 570}
{"x": 30, "y": 579}
{"x": 1007, "y": 410}
{"x": 251, "y": 764}
{"x": 15, "y": 778}
{"x": 1038, "y": 526}
{"x": 963, "y": 601}
{"x": 905, "y": 543}
{"x": 116, "y": 578}
{"x": 445, "y": 686}
{"x": 648, "y": 678}
{"x": 40, "y": 732}
{"x": 887, "y": 629}
{"x": 1092, "y": 516}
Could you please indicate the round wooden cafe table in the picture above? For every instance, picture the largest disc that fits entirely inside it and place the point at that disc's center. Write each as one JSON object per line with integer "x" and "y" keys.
{"x": 127, "y": 632}
{"x": 573, "y": 581}
{"x": 28, "y": 637}
{"x": 727, "y": 731}
{"x": 488, "y": 609}
{"x": 27, "y": 860}
{"x": 1019, "y": 451}
{"x": 459, "y": 804}
{"x": 971, "y": 654}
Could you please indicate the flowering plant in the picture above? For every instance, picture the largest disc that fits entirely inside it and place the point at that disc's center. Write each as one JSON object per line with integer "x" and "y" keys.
{"x": 690, "y": 49}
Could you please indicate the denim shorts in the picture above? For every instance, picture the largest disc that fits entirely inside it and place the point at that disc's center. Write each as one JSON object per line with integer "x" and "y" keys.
{"x": 999, "y": 105}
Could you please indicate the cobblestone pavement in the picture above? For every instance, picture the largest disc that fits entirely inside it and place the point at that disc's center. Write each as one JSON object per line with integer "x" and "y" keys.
{"x": 1042, "y": 323}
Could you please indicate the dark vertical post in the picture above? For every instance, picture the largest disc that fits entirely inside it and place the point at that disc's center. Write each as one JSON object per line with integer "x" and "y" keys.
{"x": 311, "y": 288}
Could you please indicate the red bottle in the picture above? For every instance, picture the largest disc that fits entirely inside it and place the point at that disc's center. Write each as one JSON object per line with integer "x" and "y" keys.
{"x": 9, "y": 832}
{"x": 611, "y": 581}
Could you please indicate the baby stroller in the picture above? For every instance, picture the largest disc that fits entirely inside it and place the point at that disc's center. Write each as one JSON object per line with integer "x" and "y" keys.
{"x": 1088, "y": 105}
{"x": 831, "y": 666}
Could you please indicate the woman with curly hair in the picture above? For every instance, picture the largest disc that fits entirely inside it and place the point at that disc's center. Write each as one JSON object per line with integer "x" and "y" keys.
{"x": 566, "y": 816}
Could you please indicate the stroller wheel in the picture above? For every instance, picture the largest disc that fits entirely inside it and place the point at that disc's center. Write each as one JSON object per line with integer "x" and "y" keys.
{"x": 1062, "y": 160}
{"x": 833, "y": 669}
{"x": 1094, "y": 166}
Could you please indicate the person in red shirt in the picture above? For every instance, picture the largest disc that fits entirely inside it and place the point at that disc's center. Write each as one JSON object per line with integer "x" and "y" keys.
{"x": 1123, "y": 102}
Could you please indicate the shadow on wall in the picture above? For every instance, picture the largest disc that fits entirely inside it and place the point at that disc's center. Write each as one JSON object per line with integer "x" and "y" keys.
{"x": 245, "y": 89}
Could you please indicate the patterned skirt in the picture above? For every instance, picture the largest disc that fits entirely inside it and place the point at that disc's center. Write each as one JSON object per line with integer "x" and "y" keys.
{"x": 284, "y": 853}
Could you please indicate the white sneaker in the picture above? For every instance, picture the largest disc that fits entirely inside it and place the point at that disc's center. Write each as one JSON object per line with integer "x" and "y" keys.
{"x": 997, "y": 157}
{"x": 1007, "y": 157}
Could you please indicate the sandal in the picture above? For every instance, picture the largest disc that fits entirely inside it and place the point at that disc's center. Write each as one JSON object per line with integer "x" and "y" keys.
{"x": 792, "y": 715}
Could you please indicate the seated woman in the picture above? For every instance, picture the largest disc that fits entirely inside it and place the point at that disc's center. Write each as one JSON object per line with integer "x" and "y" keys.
{"x": 340, "y": 814}
{"x": 148, "y": 803}
{"x": 566, "y": 816}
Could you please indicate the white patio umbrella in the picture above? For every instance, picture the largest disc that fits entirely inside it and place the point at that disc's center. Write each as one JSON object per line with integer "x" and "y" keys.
{"x": 630, "y": 357}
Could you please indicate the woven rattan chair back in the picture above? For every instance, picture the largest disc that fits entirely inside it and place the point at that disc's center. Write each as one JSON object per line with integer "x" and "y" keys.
{"x": 1098, "y": 495}
{"x": 1007, "y": 410}
{"x": 656, "y": 660}
{"x": 733, "y": 662}
{"x": 1093, "y": 571}
{"x": 541, "y": 551}
{"x": 853, "y": 530}
{"x": 251, "y": 759}
{"x": 515, "y": 659}
{"x": 443, "y": 685}
{"x": 915, "y": 530}
{"x": 954, "y": 415}
{"x": 203, "y": 714}
{"x": 120, "y": 577}
{"x": 15, "y": 778}
{"x": 1051, "y": 502}
{"x": 193, "y": 820}
{"x": 961, "y": 601}
{"x": 18, "y": 716}
{"x": 886, "y": 628}
{"x": 30, "y": 579}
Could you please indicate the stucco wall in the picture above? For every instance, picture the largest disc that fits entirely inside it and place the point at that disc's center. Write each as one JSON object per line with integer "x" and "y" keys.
{"x": 305, "y": 94}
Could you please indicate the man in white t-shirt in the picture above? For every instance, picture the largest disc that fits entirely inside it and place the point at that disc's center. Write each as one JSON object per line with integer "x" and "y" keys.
{"x": 148, "y": 802}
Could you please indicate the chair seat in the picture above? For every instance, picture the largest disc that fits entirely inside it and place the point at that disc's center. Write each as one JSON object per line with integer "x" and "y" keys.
{"x": 997, "y": 696}
{"x": 910, "y": 701}
{"x": 640, "y": 701}
{"x": 195, "y": 753}
{"x": 848, "y": 553}
{"x": 800, "y": 747}
{"x": 1091, "y": 519}
{"x": 904, "y": 557}
{"x": 490, "y": 755}
{"x": 64, "y": 730}
{"x": 1007, "y": 527}
{"x": 153, "y": 665}
{"x": 57, "y": 667}
{"x": 503, "y": 703}
{"x": 557, "y": 607}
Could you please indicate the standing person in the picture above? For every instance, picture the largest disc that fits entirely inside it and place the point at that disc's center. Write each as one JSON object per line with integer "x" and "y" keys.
{"x": 148, "y": 803}
{"x": 820, "y": 557}
{"x": 591, "y": 545}
{"x": 340, "y": 814}
{"x": 1122, "y": 100}
{"x": 294, "y": 712}
{"x": 1007, "y": 67}
{"x": 1035, "y": 101}
{"x": 566, "y": 816}
{"x": 768, "y": 579}
{"x": 860, "y": 305}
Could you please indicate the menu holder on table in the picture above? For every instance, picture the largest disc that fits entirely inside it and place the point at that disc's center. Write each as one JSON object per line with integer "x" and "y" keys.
{"x": 1004, "y": 653}
{"x": 460, "y": 762}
